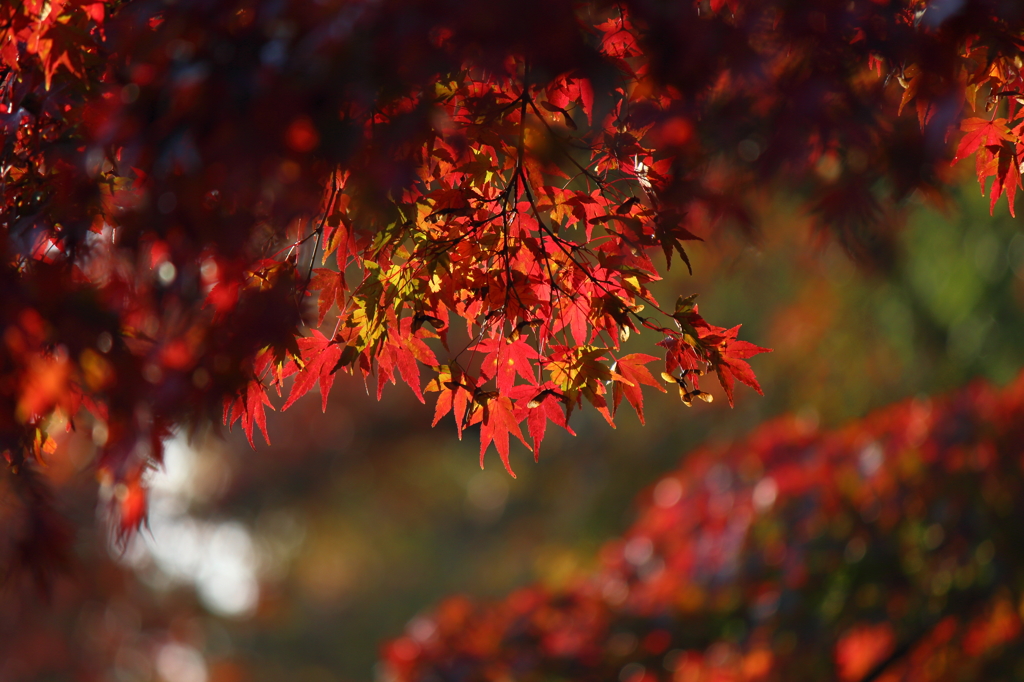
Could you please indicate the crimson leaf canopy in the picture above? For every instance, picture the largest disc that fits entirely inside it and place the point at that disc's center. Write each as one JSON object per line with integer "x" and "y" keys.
{"x": 209, "y": 201}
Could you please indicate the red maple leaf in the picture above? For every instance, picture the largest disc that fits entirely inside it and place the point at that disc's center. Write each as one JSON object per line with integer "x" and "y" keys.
{"x": 331, "y": 285}
{"x": 499, "y": 420}
{"x": 404, "y": 353}
{"x": 979, "y": 132}
{"x": 248, "y": 407}
{"x": 320, "y": 358}
{"x": 631, "y": 373}
{"x": 537, "y": 405}
{"x": 455, "y": 393}
{"x": 729, "y": 358}
{"x": 504, "y": 359}
{"x": 1006, "y": 167}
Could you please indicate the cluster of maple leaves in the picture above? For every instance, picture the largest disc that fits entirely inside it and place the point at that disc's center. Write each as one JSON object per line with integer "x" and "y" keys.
{"x": 180, "y": 181}
{"x": 534, "y": 231}
{"x": 888, "y": 549}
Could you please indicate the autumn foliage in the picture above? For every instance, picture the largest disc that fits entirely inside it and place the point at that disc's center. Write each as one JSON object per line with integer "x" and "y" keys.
{"x": 885, "y": 550}
{"x": 207, "y": 203}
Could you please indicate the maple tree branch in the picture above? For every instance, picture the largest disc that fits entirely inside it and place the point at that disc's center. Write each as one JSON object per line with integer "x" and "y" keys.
{"x": 600, "y": 183}
{"x": 561, "y": 243}
{"x": 312, "y": 261}
{"x": 558, "y": 242}
{"x": 299, "y": 243}
{"x": 517, "y": 174}
{"x": 316, "y": 245}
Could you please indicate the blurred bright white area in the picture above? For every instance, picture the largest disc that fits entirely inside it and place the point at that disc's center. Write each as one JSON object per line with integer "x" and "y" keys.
{"x": 221, "y": 559}
{"x": 180, "y": 663}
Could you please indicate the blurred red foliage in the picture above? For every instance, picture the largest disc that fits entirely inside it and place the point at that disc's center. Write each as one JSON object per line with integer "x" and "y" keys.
{"x": 888, "y": 549}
